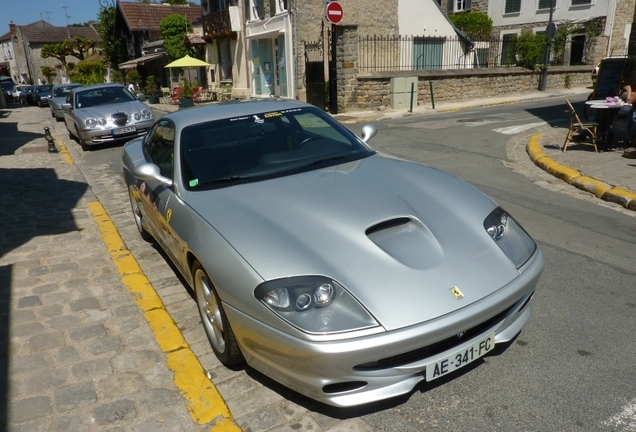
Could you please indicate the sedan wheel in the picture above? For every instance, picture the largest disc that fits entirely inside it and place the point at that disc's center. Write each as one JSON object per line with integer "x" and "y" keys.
{"x": 215, "y": 323}
{"x": 138, "y": 217}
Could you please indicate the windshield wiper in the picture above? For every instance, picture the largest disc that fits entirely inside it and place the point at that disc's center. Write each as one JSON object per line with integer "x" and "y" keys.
{"x": 329, "y": 159}
{"x": 224, "y": 180}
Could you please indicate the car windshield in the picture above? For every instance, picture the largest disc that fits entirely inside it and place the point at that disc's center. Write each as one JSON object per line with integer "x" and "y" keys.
{"x": 43, "y": 88}
{"x": 62, "y": 91}
{"x": 7, "y": 85}
{"x": 102, "y": 96}
{"x": 265, "y": 145}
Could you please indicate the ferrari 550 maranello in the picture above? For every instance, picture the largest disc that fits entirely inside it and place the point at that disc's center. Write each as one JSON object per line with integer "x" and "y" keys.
{"x": 347, "y": 276}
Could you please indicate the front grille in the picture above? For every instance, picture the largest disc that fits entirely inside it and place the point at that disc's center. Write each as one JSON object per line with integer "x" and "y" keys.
{"x": 120, "y": 119}
{"x": 430, "y": 350}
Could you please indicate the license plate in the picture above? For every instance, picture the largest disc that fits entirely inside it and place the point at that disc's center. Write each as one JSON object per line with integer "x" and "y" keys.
{"x": 125, "y": 130}
{"x": 460, "y": 358}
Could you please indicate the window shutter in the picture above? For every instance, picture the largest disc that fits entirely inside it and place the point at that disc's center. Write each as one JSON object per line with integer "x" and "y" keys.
{"x": 581, "y": 2}
{"x": 513, "y": 6}
{"x": 449, "y": 5}
{"x": 469, "y": 5}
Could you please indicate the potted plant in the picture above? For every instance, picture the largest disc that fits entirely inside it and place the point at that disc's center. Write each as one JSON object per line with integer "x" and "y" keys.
{"x": 151, "y": 89}
{"x": 185, "y": 98}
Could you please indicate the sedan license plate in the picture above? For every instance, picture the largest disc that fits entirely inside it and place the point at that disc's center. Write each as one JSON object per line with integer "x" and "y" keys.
{"x": 125, "y": 130}
{"x": 460, "y": 359}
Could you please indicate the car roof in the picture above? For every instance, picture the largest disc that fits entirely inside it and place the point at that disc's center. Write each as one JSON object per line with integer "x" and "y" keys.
{"x": 66, "y": 85}
{"x": 231, "y": 109}
{"x": 99, "y": 86}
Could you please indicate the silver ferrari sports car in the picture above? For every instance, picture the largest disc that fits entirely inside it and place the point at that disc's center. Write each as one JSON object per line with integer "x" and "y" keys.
{"x": 346, "y": 276}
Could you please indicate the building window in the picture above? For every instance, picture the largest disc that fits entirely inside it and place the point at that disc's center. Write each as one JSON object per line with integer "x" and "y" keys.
{"x": 459, "y": 5}
{"x": 512, "y": 6}
{"x": 581, "y": 2}
{"x": 545, "y": 4}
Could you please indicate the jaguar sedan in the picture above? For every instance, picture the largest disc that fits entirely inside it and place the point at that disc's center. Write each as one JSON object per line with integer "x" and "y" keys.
{"x": 105, "y": 113}
{"x": 345, "y": 275}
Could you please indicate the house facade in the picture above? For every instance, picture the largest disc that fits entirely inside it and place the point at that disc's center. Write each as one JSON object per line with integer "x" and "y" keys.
{"x": 138, "y": 25}
{"x": 21, "y": 50}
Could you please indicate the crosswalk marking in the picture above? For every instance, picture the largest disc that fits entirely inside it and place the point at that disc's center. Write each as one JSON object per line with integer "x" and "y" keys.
{"x": 626, "y": 419}
{"x": 513, "y": 130}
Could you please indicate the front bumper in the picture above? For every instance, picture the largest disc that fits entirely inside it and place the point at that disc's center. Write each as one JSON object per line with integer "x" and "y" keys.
{"x": 103, "y": 136}
{"x": 330, "y": 372}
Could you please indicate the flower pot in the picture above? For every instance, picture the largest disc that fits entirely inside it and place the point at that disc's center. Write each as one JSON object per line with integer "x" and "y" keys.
{"x": 153, "y": 98}
{"x": 185, "y": 102}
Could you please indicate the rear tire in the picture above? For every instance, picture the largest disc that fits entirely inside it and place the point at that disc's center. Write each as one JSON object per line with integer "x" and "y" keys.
{"x": 215, "y": 323}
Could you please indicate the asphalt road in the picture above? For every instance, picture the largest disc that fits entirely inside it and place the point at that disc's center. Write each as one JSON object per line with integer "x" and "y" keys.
{"x": 572, "y": 367}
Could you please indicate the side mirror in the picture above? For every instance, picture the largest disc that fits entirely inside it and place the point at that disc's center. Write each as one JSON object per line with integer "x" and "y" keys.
{"x": 150, "y": 172}
{"x": 66, "y": 107}
{"x": 368, "y": 132}
{"x": 141, "y": 97}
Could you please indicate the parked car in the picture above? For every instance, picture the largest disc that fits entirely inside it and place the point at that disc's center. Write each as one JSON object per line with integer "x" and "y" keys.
{"x": 58, "y": 97}
{"x": 105, "y": 113}
{"x": 7, "y": 89}
{"x": 26, "y": 95}
{"x": 16, "y": 92}
{"x": 42, "y": 94}
{"x": 345, "y": 275}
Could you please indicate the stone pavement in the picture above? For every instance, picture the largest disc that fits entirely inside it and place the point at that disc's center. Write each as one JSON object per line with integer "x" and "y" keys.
{"x": 78, "y": 350}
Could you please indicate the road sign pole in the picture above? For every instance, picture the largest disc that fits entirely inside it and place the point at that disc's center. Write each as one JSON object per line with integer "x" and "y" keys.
{"x": 333, "y": 73}
{"x": 546, "y": 54}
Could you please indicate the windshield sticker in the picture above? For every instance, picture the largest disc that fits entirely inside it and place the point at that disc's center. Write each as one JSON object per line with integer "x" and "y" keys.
{"x": 291, "y": 110}
{"x": 194, "y": 182}
{"x": 239, "y": 118}
{"x": 257, "y": 119}
{"x": 273, "y": 114}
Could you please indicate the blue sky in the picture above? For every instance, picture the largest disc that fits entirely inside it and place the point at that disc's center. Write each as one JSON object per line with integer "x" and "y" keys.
{"x": 23, "y": 12}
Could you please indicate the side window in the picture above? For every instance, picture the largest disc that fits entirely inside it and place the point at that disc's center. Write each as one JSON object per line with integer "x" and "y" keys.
{"x": 159, "y": 147}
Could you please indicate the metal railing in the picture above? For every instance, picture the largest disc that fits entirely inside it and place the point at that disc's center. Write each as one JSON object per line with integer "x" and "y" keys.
{"x": 403, "y": 53}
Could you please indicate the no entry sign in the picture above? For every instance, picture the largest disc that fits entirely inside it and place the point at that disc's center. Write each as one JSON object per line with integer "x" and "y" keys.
{"x": 335, "y": 12}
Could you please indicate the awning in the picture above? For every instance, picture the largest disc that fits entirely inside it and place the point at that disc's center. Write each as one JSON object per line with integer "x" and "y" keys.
{"x": 132, "y": 64}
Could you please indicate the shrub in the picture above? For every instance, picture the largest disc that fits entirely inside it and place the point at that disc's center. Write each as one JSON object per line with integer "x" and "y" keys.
{"x": 88, "y": 72}
{"x": 530, "y": 49}
{"x": 474, "y": 24}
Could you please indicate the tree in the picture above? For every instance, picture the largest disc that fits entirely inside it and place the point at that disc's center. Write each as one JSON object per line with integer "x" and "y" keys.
{"x": 173, "y": 29}
{"x": 77, "y": 46}
{"x": 48, "y": 72}
{"x": 88, "y": 72}
{"x": 530, "y": 48}
{"x": 474, "y": 24}
{"x": 113, "y": 47}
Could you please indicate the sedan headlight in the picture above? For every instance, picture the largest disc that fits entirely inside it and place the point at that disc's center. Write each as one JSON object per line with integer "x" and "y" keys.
{"x": 137, "y": 116}
{"x": 511, "y": 238}
{"x": 314, "y": 304}
{"x": 91, "y": 122}
{"x": 147, "y": 114}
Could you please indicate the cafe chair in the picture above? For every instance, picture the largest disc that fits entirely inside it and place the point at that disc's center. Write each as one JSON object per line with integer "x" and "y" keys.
{"x": 577, "y": 127}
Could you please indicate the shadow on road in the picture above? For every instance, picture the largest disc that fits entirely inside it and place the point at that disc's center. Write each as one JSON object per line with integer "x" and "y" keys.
{"x": 35, "y": 202}
{"x": 12, "y": 138}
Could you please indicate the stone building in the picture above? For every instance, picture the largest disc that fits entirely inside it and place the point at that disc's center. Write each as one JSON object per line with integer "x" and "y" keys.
{"x": 27, "y": 42}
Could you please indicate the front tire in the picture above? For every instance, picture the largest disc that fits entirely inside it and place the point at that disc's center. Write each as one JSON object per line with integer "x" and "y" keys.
{"x": 215, "y": 323}
{"x": 138, "y": 217}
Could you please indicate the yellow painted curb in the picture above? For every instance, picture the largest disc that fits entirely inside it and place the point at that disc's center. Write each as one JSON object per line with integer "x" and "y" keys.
{"x": 620, "y": 196}
{"x": 563, "y": 172}
{"x": 205, "y": 404}
{"x": 592, "y": 185}
{"x": 63, "y": 150}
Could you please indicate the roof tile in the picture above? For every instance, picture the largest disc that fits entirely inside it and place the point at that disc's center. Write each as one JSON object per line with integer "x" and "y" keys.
{"x": 147, "y": 16}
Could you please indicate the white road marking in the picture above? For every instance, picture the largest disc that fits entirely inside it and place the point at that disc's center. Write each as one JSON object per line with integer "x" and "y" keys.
{"x": 626, "y": 419}
{"x": 513, "y": 130}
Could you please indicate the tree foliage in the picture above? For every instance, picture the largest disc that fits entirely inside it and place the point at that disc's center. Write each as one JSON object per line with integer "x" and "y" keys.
{"x": 113, "y": 47}
{"x": 49, "y": 73}
{"x": 565, "y": 29}
{"x": 77, "y": 46}
{"x": 530, "y": 48}
{"x": 474, "y": 24}
{"x": 173, "y": 29}
{"x": 88, "y": 72}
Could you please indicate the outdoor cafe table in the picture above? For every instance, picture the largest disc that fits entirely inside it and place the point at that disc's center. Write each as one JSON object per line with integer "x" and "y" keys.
{"x": 605, "y": 115}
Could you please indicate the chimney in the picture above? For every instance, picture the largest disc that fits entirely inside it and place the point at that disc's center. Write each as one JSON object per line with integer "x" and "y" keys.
{"x": 11, "y": 28}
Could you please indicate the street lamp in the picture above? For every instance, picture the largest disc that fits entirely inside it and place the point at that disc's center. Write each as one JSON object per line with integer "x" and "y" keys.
{"x": 550, "y": 32}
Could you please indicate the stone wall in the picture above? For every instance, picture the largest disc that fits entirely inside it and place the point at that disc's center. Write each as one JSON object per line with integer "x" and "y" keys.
{"x": 372, "y": 91}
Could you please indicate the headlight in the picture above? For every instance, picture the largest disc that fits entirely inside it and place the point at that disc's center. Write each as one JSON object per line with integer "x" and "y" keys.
{"x": 511, "y": 238}
{"x": 314, "y": 304}
{"x": 137, "y": 116}
{"x": 91, "y": 122}
{"x": 147, "y": 114}
{"x": 102, "y": 122}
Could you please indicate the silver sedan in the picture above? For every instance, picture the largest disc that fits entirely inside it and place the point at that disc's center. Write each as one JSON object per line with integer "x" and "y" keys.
{"x": 58, "y": 97}
{"x": 347, "y": 276}
{"x": 105, "y": 113}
